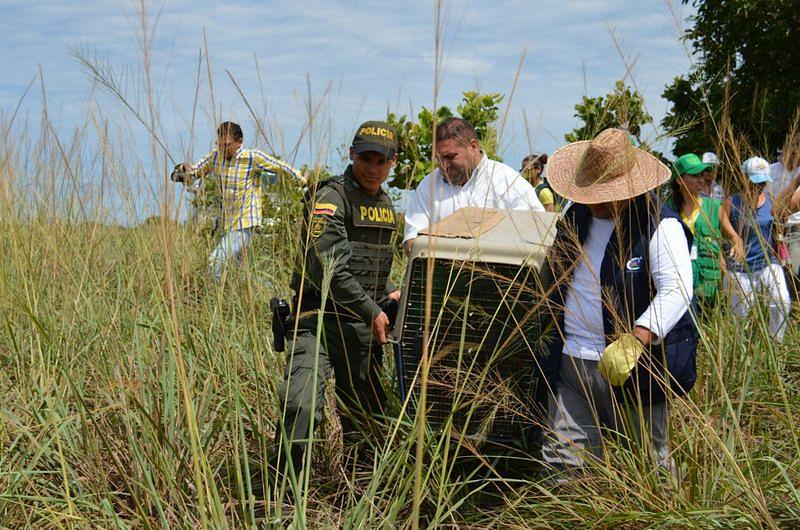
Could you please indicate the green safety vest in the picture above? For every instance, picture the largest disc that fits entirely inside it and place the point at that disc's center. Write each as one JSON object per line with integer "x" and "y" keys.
{"x": 707, "y": 240}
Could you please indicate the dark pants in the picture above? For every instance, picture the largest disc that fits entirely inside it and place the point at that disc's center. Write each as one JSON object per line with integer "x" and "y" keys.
{"x": 348, "y": 349}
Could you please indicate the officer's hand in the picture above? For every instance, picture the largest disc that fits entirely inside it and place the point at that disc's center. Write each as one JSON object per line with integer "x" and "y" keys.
{"x": 380, "y": 328}
{"x": 619, "y": 359}
{"x": 395, "y": 295}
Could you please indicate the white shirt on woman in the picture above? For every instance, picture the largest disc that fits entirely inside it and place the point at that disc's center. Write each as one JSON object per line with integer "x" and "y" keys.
{"x": 670, "y": 267}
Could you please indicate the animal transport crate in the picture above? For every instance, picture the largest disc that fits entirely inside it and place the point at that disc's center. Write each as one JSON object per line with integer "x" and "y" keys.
{"x": 478, "y": 274}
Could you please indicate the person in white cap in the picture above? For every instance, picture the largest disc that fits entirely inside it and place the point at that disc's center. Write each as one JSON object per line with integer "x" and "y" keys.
{"x": 754, "y": 269}
{"x": 712, "y": 188}
{"x": 621, "y": 301}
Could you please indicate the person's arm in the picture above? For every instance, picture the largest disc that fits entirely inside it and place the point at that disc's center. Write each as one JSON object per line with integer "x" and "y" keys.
{"x": 784, "y": 202}
{"x": 547, "y": 199}
{"x": 198, "y": 170}
{"x": 522, "y": 196}
{"x": 266, "y": 162}
{"x": 391, "y": 291}
{"x": 328, "y": 246}
{"x": 725, "y": 224}
{"x": 794, "y": 201}
{"x": 671, "y": 270}
{"x": 729, "y": 233}
{"x": 737, "y": 245}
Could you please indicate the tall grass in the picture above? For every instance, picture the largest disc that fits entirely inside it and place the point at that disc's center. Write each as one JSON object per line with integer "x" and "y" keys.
{"x": 104, "y": 423}
{"x": 95, "y": 428}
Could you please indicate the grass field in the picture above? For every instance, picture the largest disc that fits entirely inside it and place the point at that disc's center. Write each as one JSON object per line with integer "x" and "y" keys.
{"x": 137, "y": 393}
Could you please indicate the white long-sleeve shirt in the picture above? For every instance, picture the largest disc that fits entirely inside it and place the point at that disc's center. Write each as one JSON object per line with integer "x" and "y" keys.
{"x": 491, "y": 185}
{"x": 671, "y": 270}
{"x": 781, "y": 179}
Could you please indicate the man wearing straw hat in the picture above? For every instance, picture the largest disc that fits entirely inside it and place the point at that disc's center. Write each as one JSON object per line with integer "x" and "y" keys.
{"x": 623, "y": 292}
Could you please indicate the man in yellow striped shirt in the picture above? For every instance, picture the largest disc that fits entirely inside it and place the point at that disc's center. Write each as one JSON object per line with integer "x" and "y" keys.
{"x": 236, "y": 170}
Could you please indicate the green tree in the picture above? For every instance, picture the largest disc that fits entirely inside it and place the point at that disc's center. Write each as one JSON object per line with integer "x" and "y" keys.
{"x": 621, "y": 108}
{"x": 415, "y": 140}
{"x": 748, "y": 73}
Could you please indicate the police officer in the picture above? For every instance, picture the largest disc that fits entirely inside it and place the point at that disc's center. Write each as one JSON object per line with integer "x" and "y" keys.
{"x": 347, "y": 236}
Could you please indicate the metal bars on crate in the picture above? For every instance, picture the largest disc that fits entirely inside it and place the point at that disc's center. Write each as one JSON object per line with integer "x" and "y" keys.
{"x": 481, "y": 346}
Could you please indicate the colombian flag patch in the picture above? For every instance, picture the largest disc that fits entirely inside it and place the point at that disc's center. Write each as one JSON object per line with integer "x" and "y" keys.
{"x": 324, "y": 208}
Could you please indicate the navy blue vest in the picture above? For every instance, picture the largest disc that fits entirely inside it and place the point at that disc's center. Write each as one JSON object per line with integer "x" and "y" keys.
{"x": 628, "y": 289}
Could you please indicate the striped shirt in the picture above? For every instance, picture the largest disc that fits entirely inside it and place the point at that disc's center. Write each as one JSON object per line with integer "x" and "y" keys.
{"x": 239, "y": 184}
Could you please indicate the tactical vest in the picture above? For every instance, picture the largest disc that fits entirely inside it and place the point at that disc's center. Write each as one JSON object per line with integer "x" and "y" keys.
{"x": 371, "y": 223}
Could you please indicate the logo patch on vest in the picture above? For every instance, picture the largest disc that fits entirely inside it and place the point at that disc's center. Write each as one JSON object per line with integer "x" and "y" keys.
{"x": 378, "y": 215}
{"x": 317, "y": 226}
{"x": 634, "y": 264}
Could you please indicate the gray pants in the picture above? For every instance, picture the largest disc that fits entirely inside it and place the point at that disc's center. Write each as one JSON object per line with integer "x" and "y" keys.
{"x": 584, "y": 409}
{"x": 232, "y": 248}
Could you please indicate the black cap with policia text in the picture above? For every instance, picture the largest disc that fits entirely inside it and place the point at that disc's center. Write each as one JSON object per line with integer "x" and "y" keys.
{"x": 376, "y": 136}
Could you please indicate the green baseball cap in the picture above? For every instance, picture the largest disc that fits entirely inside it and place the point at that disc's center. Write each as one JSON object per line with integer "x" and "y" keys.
{"x": 689, "y": 163}
{"x": 376, "y": 136}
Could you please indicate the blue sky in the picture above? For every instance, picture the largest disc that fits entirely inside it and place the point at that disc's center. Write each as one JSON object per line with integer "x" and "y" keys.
{"x": 360, "y": 58}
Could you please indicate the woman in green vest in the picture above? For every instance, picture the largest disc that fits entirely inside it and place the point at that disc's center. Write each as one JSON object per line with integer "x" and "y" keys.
{"x": 707, "y": 220}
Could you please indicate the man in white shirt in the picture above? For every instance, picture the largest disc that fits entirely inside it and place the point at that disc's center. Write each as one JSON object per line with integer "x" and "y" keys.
{"x": 785, "y": 187}
{"x": 465, "y": 177}
{"x": 625, "y": 290}
{"x": 784, "y": 172}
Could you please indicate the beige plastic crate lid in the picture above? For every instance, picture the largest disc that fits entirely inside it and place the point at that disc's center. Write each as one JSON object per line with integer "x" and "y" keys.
{"x": 513, "y": 237}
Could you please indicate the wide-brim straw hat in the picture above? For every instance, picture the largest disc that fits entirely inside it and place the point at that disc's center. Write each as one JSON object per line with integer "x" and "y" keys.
{"x": 608, "y": 168}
